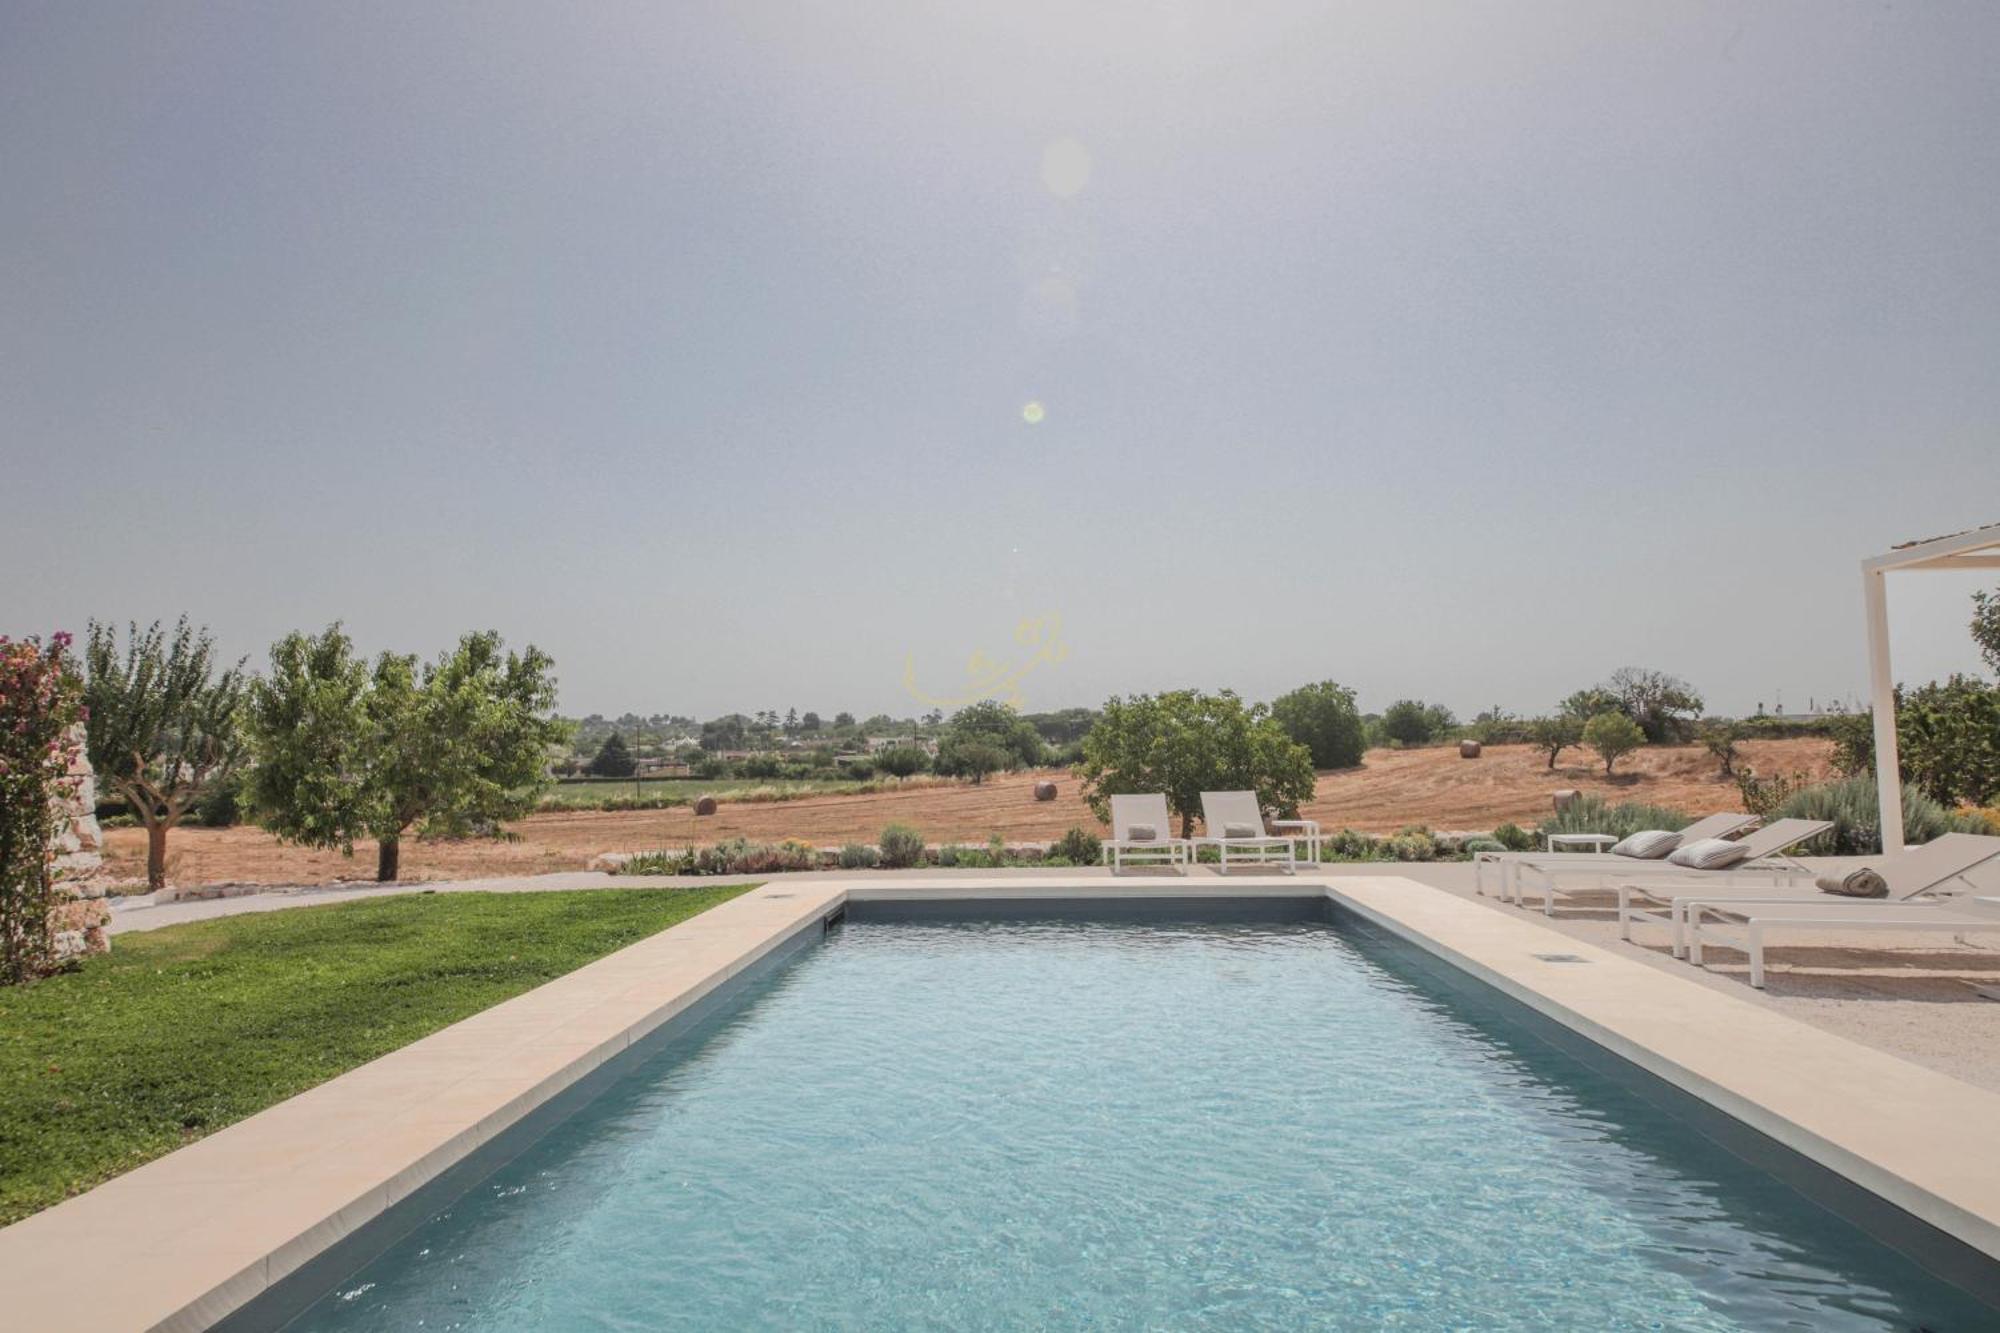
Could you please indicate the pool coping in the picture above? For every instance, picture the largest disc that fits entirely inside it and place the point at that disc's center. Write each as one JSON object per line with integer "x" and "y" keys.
{"x": 199, "y": 1233}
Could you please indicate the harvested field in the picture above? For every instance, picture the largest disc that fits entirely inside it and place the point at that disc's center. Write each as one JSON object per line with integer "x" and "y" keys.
{"x": 1392, "y": 789}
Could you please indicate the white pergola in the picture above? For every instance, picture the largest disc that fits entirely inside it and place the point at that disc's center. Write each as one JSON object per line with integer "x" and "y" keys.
{"x": 1976, "y": 549}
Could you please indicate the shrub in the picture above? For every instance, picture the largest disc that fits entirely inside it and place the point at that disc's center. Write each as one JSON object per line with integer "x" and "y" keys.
{"x": 614, "y": 759}
{"x": 1852, "y": 805}
{"x": 1485, "y": 845}
{"x": 1514, "y": 838}
{"x": 1763, "y": 795}
{"x": 1613, "y": 736}
{"x": 902, "y": 761}
{"x": 1590, "y": 814}
{"x": 1415, "y": 843}
{"x": 1947, "y": 740}
{"x": 858, "y": 856}
{"x": 221, "y": 805}
{"x": 859, "y": 769}
{"x": 762, "y": 767}
{"x": 1322, "y": 718}
{"x": 1414, "y": 722}
{"x": 985, "y": 737}
{"x": 1348, "y": 845}
{"x": 1079, "y": 847}
{"x": 1720, "y": 739}
{"x": 902, "y": 846}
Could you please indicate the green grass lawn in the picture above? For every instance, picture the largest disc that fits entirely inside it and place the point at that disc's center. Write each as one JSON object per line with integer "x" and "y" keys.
{"x": 182, "y": 1030}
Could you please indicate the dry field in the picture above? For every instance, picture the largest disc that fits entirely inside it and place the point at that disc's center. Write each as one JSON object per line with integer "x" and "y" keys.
{"x": 1392, "y": 789}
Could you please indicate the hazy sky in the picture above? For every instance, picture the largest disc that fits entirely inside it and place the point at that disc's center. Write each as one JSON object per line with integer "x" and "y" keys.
{"x": 1462, "y": 351}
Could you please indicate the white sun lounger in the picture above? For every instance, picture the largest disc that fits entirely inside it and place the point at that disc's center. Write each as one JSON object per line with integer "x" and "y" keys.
{"x": 1765, "y": 859}
{"x": 1952, "y": 905}
{"x": 1220, "y": 809}
{"x": 1160, "y": 849}
{"x": 1940, "y": 866}
{"x": 1507, "y": 864}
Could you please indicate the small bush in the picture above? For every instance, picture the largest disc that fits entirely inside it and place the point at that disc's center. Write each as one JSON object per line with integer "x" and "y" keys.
{"x": 1514, "y": 838}
{"x": 858, "y": 856}
{"x": 1851, "y": 805}
{"x": 1589, "y": 814}
{"x": 1079, "y": 847}
{"x": 220, "y": 806}
{"x": 1473, "y": 845}
{"x": 1415, "y": 843}
{"x": 902, "y": 846}
{"x": 859, "y": 769}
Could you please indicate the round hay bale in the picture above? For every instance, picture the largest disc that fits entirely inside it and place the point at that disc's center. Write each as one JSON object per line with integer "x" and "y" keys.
{"x": 1045, "y": 791}
{"x": 1468, "y": 749}
{"x": 1565, "y": 799}
{"x": 705, "y": 805}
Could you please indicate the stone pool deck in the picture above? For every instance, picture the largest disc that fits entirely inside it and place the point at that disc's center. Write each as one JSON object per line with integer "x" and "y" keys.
{"x": 202, "y": 1231}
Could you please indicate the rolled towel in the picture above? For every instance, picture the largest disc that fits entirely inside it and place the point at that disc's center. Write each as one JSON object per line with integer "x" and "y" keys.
{"x": 1860, "y": 882}
{"x": 1241, "y": 831}
{"x": 1141, "y": 833}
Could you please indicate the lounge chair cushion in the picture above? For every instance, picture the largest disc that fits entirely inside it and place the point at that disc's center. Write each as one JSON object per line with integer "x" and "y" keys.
{"x": 1140, "y": 833}
{"x": 1650, "y": 845}
{"x": 1860, "y": 882}
{"x": 1709, "y": 854}
{"x": 1241, "y": 831}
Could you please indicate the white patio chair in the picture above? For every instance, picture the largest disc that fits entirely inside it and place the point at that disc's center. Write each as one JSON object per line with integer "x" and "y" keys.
{"x": 1233, "y": 822}
{"x": 1145, "y": 812}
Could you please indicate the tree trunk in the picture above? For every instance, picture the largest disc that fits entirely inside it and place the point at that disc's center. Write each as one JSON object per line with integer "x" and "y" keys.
{"x": 156, "y": 855}
{"x": 388, "y": 855}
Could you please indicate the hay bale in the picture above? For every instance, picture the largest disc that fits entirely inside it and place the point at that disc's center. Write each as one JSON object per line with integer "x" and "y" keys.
{"x": 705, "y": 805}
{"x": 1566, "y": 798}
{"x": 1045, "y": 791}
{"x": 1468, "y": 749}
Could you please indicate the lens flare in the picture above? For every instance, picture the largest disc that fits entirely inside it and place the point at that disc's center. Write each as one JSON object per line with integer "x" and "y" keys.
{"x": 1033, "y": 414}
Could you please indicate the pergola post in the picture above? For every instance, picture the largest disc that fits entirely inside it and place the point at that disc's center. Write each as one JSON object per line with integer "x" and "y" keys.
{"x": 1882, "y": 694}
{"x": 1974, "y": 549}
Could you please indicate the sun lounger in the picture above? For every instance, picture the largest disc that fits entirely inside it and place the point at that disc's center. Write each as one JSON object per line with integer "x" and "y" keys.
{"x": 1958, "y": 916}
{"x": 1506, "y": 864}
{"x": 1766, "y": 858}
{"x": 1222, "y": 811}
{"x": 1939, "y": 866}
{"x": 1145, "y": 813}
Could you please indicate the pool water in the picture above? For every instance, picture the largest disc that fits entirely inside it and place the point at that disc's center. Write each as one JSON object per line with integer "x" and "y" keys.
{"x": 1077, "y": 1125}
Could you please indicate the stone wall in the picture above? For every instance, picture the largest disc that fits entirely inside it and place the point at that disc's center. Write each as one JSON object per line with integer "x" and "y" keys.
{"x": 80, "y": 920}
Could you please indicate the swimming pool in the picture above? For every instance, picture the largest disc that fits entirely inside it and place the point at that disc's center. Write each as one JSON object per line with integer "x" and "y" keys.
{"x": 1131, "y": 1123}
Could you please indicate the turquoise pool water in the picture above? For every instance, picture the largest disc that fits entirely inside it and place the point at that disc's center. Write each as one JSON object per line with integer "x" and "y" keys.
{"x": 1111, "y": 1126}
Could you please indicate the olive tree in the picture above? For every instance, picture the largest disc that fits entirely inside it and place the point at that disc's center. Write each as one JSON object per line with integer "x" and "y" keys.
{"x": 1613, "y": 736}
{"x": 162, "y": 724}
{"x": 345, "y": 750}
{"x": 986, "y": 736}
{"x": 1552, "y": 735}
{"x": 1185, "y": 742}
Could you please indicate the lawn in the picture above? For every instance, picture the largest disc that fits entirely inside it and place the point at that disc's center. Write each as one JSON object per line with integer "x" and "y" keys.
{"x": 182, "y": 1030}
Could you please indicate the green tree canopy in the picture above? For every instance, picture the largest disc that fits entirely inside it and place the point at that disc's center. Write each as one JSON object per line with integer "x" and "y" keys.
{"x": 163, "y": 724}
{"x": 1986, "y": 627}
{"x": 614, "y": 758}
{"x": 1185, "y": 742}
{"x": 902, "y": 761}
{"x": 1612, "y": 735}
{"x": 1665, "y": 707}
{"x": 987, "y": 726}
{"x": 1414, "y": 722}
{"x": 346, "y": 751}
{"x": 1322, "y": 718}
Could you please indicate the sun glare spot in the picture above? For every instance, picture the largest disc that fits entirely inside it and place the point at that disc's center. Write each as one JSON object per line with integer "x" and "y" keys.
{"x": 1065, "y": 168}
{"x": 1033, "y": 414}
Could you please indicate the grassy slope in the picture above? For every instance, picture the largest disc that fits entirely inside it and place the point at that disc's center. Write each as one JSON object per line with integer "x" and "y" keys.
{"x": 182, "y": 1030}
